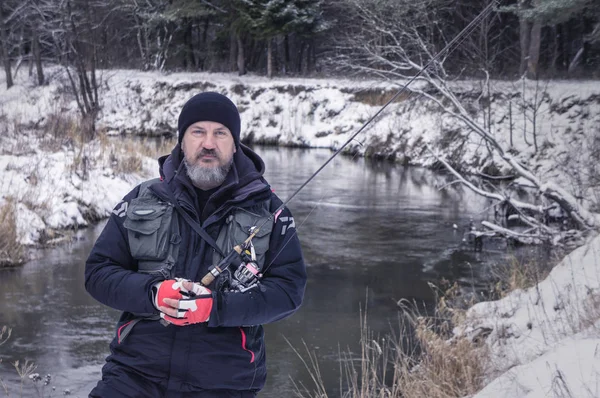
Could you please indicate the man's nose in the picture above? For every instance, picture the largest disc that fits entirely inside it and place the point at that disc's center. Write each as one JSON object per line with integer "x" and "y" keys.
{"x": 209, "y": 141}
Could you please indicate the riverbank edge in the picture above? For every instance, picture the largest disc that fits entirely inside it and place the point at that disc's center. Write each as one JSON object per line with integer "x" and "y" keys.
{"x": 314, "y": 113}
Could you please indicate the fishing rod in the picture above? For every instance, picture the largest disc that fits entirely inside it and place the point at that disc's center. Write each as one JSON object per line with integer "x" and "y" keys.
{"x": 245, "y": 249}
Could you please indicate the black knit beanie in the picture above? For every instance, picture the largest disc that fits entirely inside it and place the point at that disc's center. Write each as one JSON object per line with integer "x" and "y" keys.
{"x": 210, "y": 107}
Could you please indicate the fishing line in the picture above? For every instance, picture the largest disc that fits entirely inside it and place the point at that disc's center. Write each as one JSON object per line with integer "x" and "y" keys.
{"x": 448, "y": 49}
{"x": 451, "y": 46}
{"x": 301, "y": 224}
{"x": 448, "y": 46}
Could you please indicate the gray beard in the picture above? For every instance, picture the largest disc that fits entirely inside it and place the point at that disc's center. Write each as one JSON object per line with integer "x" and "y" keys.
{"x": 207, "y": 176}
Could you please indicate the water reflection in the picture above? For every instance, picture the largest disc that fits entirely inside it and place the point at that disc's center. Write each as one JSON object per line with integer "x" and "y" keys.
{"x": 369, "y": 230}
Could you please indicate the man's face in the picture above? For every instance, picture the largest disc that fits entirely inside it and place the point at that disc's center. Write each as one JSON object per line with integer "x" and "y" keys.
{"x": 208, "y": 149}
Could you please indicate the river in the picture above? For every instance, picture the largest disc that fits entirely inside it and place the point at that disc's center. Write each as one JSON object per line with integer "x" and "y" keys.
{"x": 372, "y": 233}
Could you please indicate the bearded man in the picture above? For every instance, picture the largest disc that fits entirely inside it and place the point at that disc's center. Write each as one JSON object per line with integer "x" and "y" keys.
{"x": 177, "y": 337}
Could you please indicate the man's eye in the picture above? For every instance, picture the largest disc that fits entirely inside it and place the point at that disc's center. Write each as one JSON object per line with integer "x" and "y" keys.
{"x": 221, "y": 132}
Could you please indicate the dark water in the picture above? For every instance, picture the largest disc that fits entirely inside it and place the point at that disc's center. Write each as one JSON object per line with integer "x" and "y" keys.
{"x": 372, "y": 233}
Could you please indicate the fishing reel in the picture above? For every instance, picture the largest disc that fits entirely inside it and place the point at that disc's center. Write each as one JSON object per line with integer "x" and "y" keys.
{"x": 246, "y": 276}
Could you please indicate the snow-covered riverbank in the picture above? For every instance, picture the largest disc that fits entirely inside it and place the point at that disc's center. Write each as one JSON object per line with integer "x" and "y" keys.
{"x": 53, "y": 191}
{"x": 307, "y": 112}
{"x": 545, "y": 341}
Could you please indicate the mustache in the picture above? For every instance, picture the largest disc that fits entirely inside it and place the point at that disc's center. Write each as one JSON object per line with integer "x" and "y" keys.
{"x": 204, "y": 152}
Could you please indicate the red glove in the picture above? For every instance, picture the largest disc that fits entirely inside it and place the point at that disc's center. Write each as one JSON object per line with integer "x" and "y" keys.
{"x": 192, "y": 310}
{"x": 171, "y": 289}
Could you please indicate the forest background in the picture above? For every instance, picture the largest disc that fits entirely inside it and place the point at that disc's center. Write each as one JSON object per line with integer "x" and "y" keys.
{"x": 541, "y": 38}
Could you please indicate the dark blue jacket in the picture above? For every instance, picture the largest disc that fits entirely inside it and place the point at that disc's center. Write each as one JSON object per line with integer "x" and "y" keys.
{"x": 228, "y": 352}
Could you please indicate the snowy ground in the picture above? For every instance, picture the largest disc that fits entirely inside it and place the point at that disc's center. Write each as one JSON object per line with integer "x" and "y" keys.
{"x": 54, "y": 191}
{"x": 544, "y": 341}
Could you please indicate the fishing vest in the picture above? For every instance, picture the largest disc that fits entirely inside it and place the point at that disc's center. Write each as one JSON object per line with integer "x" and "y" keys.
{"x": 154, "y": 237}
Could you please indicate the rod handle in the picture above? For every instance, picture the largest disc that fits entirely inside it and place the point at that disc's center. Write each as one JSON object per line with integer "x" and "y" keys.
{"x": 215, "y": 271}
{"x": 208, "y": 279}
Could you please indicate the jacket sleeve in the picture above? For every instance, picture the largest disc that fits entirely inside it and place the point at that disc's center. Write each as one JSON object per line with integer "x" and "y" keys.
{"x": 110, "y": 271}
{"x": 280, "y": 291}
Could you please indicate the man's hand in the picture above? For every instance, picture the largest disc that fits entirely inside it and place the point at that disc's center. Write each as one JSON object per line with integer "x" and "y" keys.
{"x": 193, "y": 307}
{"x": 169, "y": 289}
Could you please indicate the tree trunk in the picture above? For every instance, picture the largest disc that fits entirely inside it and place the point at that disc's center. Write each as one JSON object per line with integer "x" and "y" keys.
{"x": 524, "y": 39}
{"x": 37, "y": 56}
{"x": 189, "y": 60}
{"x": 301, "y": 63}
{"x": 4, "y": 49}
{"x": 232, "y": 51}
{"x": 534, "y": 50}
{"x": 269, "y": 58}
{"x": 311, "y": 59}
{"x": 241, "y": 61}
{"x": 206, "y": 63}
{"x": 555, "y": 49}
{"x": 142, "y": 42}
{"x": 286, "y": 53}
{"x": 21, "y": 50}
{"x": 510, "y": 123}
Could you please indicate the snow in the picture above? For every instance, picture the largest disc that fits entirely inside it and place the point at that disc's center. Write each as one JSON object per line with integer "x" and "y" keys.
{"x": 571, "y": 369}
{"x": 29, "y": 225}
{"x": 53, "y": 191}
{"x": 545, "y": 339}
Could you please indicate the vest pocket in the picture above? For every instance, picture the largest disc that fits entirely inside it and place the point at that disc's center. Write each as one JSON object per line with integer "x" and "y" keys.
{"x": 148, "y": 223}
{"x": 243, "y": 221}
{"x": 238, "y": 227}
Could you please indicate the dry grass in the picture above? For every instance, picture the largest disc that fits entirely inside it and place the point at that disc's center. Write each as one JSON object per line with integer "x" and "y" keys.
{"x": 445, "y": 367}
{"x": 11, "y": 251}
{"x": 61, "y": 130}
{"x": 126, "y": 154}
{"x": 55, "y": 132}
{"x": 151, "y": 147}
{"x": 4, "y": 336}
{"x": 519, "y": 275}
{"x": 5, "y": 332}
{"x": 127, "y": 163}
{"x": 377, "y": 96}
{"x": 25, "y": 371}
{"x": 591, "y": 310}
{"x": 123, "y": 154}
{"x": 423, "y": 360}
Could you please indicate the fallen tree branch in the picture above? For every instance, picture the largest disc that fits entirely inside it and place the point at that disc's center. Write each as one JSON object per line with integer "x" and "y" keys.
{"x": 495, "y": 178}
{"x": 585, "y": 219}
{"x": 527, "y": 239}
{"x": 496, "y": 196}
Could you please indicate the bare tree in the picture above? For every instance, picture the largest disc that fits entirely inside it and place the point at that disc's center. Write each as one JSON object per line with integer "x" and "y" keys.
{"x": 530, "y": 38}
{"x": 27, "y": 18}
{"x": 385, "y": 48}
{"x": 37, "y": 54}
{"x": 72, "y": 29}
{"x": 4, "y": 44}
